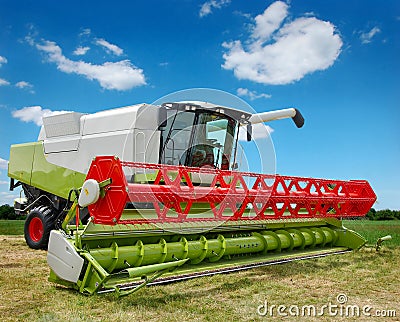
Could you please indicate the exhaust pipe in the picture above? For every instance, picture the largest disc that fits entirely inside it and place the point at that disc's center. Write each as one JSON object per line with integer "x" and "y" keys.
{"x": 293, "y": 113}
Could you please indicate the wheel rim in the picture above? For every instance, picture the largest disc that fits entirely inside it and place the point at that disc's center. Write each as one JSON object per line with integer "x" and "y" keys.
{"x": 36, "y": 229}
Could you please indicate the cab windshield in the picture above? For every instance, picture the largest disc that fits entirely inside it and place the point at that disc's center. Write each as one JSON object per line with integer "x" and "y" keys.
{"x": 198, "y": 138}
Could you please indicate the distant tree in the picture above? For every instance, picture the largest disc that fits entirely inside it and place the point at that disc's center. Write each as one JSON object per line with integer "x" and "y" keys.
{"x": 7, "y": 212}
{"x": 371, "y": 214}
{"x": 384, "y": 214}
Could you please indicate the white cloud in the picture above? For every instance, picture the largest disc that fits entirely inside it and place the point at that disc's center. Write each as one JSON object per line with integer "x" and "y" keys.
{"x": 251, "y": 94}
{"x": 121, "y": 75}
{"x": 23, "y": 84}
{"x": 242, "y": 14}
{"x": 85, "y": 32}
{"x": 3, "y": 82}
{"x": 80, "y": 51}
{"x": 208, "y": 6}
{"x": 34, "y": 114}
{"x": 281, "y": 51}
{"x": 30, "y": 40}
{"x": 270, "y": 20}
{"x": 3, "y": 164}
{"x": 366, "y": 37}
{"x": 4, "y": 182}
{"x": 3, "y": 60}
{"x": 259, "y": 131}
{"x": 8, "y": 197}
{"x": 110, "y": 47}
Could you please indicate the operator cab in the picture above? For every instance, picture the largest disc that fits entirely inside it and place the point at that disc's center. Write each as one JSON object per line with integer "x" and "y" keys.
{"x": 200, "y": 135}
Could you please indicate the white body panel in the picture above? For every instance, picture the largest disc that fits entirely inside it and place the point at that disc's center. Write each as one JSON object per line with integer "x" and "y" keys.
{"x": 63, "y": 258}
{"x": 62, "y": 124}
{"x": 72, "y": 140}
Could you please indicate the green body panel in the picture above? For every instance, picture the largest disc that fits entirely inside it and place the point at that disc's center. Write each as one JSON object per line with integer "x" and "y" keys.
{"x": 21, "y": 161}
{"x": 138, "y": 254}
{"x": 28, "y": 164}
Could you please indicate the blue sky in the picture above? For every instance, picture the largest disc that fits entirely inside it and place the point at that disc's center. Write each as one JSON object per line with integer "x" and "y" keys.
{"x": 336, "y": 61}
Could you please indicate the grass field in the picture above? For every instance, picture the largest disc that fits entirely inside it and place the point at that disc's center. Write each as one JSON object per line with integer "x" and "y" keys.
{"x": 372, "y": 230}
{"x": 366, "y": 277}
{"x": 11, "y": 227}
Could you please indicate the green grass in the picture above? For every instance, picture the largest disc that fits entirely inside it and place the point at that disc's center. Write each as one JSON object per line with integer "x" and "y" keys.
{"x": 11, "y": 227}
{"x": 366, "y": 277}
{"x": 372, "y": 230}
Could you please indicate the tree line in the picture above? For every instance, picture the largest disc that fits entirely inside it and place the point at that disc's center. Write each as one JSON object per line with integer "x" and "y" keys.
{"x": 7, "y": 212}
{"x": 385, "y": 214}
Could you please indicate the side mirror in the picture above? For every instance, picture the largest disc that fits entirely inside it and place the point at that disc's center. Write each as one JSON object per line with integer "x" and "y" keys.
{"x": 249, "y": 132}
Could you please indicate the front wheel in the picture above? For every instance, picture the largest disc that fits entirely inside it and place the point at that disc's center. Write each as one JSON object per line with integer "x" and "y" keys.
{"x": 38, "y": 225}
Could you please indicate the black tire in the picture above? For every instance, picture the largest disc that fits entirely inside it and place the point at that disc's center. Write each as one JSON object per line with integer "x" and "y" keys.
{"x": 38, "y": 224}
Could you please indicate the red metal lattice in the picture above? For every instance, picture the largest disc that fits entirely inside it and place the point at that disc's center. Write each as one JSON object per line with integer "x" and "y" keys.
{"x": 176, "y": 194}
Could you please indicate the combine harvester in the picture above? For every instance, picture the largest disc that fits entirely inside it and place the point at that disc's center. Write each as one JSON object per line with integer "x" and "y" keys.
{"x": 149, "y": 194}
